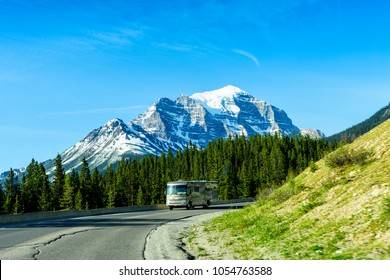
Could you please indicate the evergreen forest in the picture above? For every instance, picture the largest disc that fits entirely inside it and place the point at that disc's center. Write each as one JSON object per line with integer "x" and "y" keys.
{"x": 243, "y": 166}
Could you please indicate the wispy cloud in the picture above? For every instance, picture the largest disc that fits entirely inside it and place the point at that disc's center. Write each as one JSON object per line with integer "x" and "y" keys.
{"x": 118, "y": 37}
{"x": 247, "y": 55}
{"x": 177, "y": 47}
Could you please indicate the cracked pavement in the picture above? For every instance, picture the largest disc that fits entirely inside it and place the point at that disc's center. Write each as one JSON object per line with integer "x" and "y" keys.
{"x": 32, "y": 249}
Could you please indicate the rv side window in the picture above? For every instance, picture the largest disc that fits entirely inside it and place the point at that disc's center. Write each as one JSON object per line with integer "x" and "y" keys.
{"x": 196, "y": 189}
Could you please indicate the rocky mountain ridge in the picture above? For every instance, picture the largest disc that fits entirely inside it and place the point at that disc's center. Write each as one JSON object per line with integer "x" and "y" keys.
{"x": 174, "y": 124}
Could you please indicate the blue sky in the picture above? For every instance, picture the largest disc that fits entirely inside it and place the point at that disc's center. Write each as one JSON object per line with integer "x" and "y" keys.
{"x": 68, "y": 67}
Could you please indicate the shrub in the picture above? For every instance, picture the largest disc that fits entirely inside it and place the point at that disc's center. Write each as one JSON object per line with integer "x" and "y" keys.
{"x": 284, "y": 193}
{"x": 343, "y": 157}
{"x": 328, "y": 184}
{"x": 386, "y": 208}
{"x": 313, "y": 166}
{"x": 310, "y": 206}
{"x": 360, "y": 157}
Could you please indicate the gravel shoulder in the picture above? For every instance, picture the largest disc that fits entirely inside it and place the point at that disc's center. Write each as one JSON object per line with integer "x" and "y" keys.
{"x": 168, "y": 242}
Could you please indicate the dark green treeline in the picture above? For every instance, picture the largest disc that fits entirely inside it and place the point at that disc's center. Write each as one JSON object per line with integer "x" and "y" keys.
{"x": 242, "y": 166}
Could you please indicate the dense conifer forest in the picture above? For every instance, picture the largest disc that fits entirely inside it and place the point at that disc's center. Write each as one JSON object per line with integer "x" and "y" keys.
{"x": 242, "y": 166}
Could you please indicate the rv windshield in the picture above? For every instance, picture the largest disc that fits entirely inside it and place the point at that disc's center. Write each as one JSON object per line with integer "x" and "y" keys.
{"x": 177, "y": 189}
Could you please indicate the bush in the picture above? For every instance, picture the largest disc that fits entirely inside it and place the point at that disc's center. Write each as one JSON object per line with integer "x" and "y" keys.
{"x": 343, "y": 157}
{"x": 386, "y": 208}
{"x": 360, "y": 157}
{"x": 284, "y": 193}
{"x": 313, "y": 166}
{"x": 310, "y": 206}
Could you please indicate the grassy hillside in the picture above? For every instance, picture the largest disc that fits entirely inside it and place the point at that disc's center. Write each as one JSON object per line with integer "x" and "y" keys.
{"x": 339, "y": 208}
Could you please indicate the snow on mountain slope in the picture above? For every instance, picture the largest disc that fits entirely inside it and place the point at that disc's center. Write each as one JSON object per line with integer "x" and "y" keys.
{"x": 174, "y": 124}
{"x": 243, "y": 113}
{"x": 108, "y": 144}
{"x": 180, "y": 122}
{"x": 220, "y": 100}
{"x": 313, "y": 133}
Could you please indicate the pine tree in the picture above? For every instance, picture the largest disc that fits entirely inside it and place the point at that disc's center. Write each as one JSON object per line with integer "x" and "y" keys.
{"x": 169, "y": 173}
{"x": 17, "y": 207}
{"x": 121, "y": 184}
{"x": 141, "y": 197}
{"x": 146, "y": 176}
{"x": 110, "y": 192}
{"x": 68, "y": 197}
{"x": 45, "y": 198}
{"x": 196, "y": 161}
{"x": 134, "y": 181}
{"x": 156, "y": 189}
{"x": 58, "y": 184}
{"x": 31, "y": 187}
{"x": 278, "y": 169}
{"x": 85, "y": 184}
{"x": 246, "y": 181}
{"x": 111, "y": 195}
{"x": 164, "y": 177}
{"x": 97, "y": 189}
{"x": 1, "y": 198}
{"x": 10, "y": 193}
{"x": 78, "y": 201}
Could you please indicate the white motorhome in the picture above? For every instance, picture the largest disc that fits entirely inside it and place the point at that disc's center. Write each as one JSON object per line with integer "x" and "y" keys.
{"x": 191, "y": 193}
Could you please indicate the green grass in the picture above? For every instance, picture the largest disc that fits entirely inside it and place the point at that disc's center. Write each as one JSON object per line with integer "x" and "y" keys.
{"x": 332, "y": 212}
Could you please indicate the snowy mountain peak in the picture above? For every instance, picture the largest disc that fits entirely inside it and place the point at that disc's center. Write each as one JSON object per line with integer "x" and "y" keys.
{"x": 214, "y": 99}
{"x": 112, "y": 124}
{"x": 312, "y": 133}
{"x": 174, "y": 124}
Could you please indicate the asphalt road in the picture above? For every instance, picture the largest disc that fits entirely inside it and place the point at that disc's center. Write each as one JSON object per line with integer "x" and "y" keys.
{"x": 105, "y": 237}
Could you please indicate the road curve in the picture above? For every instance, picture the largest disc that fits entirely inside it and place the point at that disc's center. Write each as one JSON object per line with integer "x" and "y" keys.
{"x": 104, "y": 237}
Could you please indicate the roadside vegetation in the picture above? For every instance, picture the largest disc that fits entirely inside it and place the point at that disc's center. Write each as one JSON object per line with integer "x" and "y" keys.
{"x": 338, "y": 208}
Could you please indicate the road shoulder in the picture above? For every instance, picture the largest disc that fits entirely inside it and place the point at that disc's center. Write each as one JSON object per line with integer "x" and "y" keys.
{"x": 167, "y": 242}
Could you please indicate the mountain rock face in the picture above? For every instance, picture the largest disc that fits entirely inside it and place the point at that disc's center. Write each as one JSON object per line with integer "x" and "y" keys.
{"x": 109, "y": 144}
{"x": 174, "y": 124}
{"x": 241, "y": 113}
{"x": 313, "y": 133}
{"x": 205, "y": 116}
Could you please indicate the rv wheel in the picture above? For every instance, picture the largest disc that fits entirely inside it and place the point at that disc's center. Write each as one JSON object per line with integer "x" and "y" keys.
{"x": 190, "y": 206}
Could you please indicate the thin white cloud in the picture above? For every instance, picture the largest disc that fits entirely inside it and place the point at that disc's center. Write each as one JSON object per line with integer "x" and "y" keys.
{"x": 120, "y": 37}
{"x": 177, "y": 47}
{"x": 248, "y": 55}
